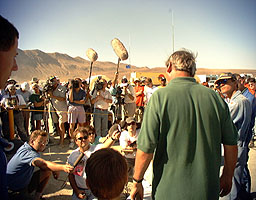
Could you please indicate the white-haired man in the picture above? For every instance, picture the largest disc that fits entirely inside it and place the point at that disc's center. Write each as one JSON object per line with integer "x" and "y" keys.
{"x": 184, "y": 126}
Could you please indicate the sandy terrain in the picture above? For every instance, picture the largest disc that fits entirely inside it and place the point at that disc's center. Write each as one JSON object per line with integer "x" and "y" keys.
{"x": 59, "y": 154}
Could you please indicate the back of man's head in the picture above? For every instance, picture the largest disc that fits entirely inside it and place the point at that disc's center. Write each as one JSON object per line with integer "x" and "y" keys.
{"x": 106, "y": 172}
{"x": 8, "y": 33}
{"x": 183, "y": 60}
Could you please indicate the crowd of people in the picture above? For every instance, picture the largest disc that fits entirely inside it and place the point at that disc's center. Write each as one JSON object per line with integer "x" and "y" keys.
{"x": 181, "y": 126}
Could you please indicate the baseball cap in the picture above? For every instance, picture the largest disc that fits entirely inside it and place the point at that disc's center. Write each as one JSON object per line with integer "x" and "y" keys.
{"x": 225, "y": 76}
{"x": 136, "y": 79}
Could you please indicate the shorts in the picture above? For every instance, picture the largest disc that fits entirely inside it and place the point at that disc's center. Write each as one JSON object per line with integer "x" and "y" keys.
{"x": 59, "y": 116}
{"x": 25, "y": 193}
{"x": 37, "y": 116}
{"x": 76, "y": 113}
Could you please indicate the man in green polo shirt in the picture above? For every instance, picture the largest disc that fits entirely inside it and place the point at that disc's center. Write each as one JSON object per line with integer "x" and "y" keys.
{"x": 183, "y": 128}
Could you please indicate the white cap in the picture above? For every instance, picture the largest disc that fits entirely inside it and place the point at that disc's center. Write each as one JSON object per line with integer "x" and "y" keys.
{"x": 25, "y": 86}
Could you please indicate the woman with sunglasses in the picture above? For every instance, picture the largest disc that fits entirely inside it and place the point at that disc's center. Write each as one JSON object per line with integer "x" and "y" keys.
{"x": 78, "y": 177}
{"x": 93, "y": 138}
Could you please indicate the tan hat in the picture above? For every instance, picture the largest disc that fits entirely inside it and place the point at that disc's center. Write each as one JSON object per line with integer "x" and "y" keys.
{"x": 136, "y": 80}
{"x": 130, "y": 120}
{"x": 34, "y": 79}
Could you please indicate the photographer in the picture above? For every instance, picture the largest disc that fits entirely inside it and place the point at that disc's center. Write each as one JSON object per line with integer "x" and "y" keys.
{"x": 16, "y": 102}
{"x": 76, "y": 99}
{"x": 87, "y": 105}
{"x": 129, "y": 98}
{"x": 117, "y": 98}
{"x": 58, "y": 106}
{"x": 101, "y": 98}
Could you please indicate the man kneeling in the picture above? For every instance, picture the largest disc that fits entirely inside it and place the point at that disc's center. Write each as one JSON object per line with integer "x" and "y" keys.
{"x": 20, "y": 177}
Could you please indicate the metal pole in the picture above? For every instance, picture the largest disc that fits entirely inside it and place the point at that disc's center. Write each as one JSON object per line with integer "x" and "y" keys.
{"x": 118, "y": 64}
{"x": 90, "y": 74}
{"x": 172, "y": 33}
{"x": 11, "y": 123}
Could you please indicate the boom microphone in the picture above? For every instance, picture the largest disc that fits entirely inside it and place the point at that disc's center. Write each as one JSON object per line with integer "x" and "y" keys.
{"x": 119, "y": 49}
{"x": 74, "y": 165}
{"x": 92, "y": 55}
{"x": 78, "y": 159}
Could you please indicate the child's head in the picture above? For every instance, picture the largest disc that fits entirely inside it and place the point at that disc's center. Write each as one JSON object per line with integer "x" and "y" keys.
{"x": 106, "y": 172}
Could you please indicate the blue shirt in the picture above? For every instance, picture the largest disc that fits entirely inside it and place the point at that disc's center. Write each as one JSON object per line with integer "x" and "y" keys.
{"x": 240, "y": 111}
{"x": 77, "y": 96}
{"x": 20, "y": 168}
{"x": 252, "y": 100}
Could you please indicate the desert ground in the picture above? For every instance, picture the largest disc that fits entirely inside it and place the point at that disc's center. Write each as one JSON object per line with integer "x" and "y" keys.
{"x": 55, "y": 153}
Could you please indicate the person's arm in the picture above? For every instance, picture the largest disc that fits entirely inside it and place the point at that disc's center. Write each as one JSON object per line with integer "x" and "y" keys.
{"x": 111, "y": 140}
{"x": 82, "y": 102}
{"x": 230, "y": 159}
{"x": 70, "y": 96}
{"x": 131, "y": 93}
{"x": 48, "y": 165}
{"x": 114, "y": 82}
{"x": 107, "y": 100}
{"x": 141, "y": 164}
{"x": 50, "y": 95}
{"x": 79, "y": 193}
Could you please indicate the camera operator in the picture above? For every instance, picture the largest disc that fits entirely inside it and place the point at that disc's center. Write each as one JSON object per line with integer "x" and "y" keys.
{"x": 117, "y": 99}
{"x": 101, "y": 98}
{"x": 16, "y": 102}
{"x": 76, "y": 99}
{"x": 58, "y": 105}
{"x": 87, "y": 105}
{"x": 129, "y": 98}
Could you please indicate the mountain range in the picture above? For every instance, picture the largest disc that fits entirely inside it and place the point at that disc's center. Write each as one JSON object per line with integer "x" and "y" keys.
{"x": 36, "y": 63}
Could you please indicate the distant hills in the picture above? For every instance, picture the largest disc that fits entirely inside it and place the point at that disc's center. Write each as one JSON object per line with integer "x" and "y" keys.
{"x": 36, "y": 63}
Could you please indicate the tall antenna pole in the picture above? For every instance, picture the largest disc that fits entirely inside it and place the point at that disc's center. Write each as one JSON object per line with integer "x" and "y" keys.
{"x": 172, "y": 32}
{"x": 129, "y": 49}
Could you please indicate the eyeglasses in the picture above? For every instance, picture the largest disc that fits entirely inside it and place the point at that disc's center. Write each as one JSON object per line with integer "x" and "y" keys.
{"x": 91, "y": 133}
{"x": 42, "y": 143}
{"x": 81, "y": 138}
{"x": 133, "y": 123}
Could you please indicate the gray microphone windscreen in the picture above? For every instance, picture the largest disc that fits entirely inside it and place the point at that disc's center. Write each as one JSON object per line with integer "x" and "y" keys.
{"x": 119, "y": 49}
{"x": 91, "y": 54}
{"x": 78, "y": 159}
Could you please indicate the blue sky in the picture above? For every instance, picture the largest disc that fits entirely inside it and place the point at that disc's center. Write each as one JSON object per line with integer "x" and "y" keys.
{"x": 222, "y": 32}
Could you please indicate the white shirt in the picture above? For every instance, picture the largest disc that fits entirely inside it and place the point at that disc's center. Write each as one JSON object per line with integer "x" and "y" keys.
{"x": 5, "y": 98}
{"x": 101, "y": 103}
{"x": 125, "y": 140}
{"x": 79, "y": 171}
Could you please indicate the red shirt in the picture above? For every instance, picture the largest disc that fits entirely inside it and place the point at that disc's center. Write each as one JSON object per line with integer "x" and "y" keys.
{"x": 139, "y": 98}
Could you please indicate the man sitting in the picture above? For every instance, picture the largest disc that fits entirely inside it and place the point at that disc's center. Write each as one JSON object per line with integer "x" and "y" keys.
{"x": 21, "y": 180}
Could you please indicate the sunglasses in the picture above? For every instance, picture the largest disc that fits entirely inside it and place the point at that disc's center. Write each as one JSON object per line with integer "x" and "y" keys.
{"x": 133, "y": 123}
{"x": 81, "y": 138}
{"x": 223, "y": 81}
{"x": 91, "y": 133}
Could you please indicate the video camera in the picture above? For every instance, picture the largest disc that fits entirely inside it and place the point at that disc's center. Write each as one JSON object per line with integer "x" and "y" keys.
{"x": 49, "y": 85}
{"x": 75, "y": 84}
{"x": 119, "y": 97}
{"x": 12, "y": 102}
{"x": 99, "y": 84}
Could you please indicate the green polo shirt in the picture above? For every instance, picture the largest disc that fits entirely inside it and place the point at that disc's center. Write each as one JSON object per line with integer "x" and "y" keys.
{"x": 185, "y": 124}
